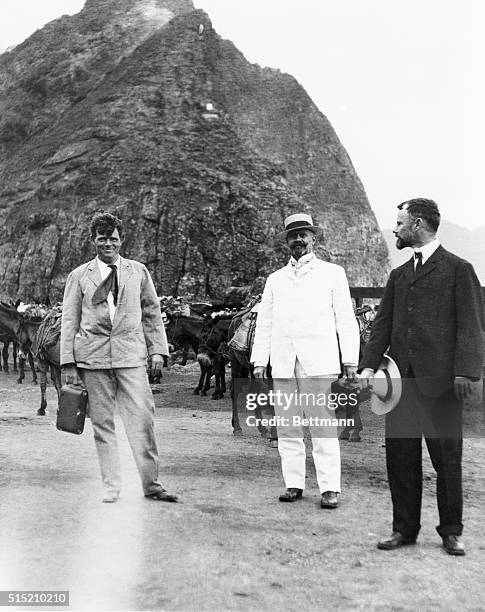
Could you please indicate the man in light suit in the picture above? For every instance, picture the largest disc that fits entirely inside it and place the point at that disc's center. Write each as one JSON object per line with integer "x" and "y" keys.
{"x": 111, "y": 320}
{"x": 431, "y": 319}
{"x": 305, "y": 328}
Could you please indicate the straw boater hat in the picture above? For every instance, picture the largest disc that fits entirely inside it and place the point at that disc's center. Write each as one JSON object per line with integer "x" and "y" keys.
{"x": 298, "y": 221}
{"x": 387, "y": 387}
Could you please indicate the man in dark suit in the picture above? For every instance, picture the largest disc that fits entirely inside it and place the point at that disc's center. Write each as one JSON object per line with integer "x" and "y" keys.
{"x": 431, "y": 319}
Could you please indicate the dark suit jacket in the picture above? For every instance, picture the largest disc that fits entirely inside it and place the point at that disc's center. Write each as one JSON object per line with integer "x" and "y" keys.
{"x": 432, "y": 322}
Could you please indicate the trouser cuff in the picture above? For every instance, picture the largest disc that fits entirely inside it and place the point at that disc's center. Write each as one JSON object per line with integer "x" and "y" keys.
{"x": 406, "y": 531}
{"x": 445, "y": 530}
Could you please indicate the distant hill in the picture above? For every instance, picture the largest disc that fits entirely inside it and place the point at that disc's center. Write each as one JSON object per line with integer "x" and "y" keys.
{"x": 466, "y": 243}
{"x": 140, "y": 108}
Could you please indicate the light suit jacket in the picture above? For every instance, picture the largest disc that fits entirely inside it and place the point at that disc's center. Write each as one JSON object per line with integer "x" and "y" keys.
{"x": 309, "y": 316}
{"x": 89, "y": 339}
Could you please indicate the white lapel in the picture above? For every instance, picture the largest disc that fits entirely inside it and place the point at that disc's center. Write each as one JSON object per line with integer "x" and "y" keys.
{"x": 126, "y": 271}
{"x": 94, "y": 274}
{"x": 306, "y": 268}
{"x": 290, "y": 270}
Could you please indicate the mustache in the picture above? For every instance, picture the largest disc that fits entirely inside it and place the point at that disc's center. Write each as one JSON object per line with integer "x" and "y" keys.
{"x": 295, "y": 244}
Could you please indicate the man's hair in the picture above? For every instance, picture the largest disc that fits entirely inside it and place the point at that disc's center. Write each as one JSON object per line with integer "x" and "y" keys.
{"x": 424, "y": 209}
{"x": 106, "y": 223}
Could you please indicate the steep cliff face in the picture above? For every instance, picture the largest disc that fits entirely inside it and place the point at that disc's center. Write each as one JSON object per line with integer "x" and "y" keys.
{"x": 138, "y": 107}
{"x": 56, "y": 67}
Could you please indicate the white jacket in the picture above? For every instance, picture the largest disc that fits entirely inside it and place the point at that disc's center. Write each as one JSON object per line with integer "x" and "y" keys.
{"x": 308, "y": 316}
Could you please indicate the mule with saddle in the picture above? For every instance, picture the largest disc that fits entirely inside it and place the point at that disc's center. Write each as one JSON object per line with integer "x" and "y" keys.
{"x": 240, "y": 344}
{"x": 12, "y": 325}
{"x": 37, "y": 332}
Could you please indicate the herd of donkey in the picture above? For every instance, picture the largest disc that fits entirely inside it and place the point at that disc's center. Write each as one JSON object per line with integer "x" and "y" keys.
{"x": 218, "y": 339}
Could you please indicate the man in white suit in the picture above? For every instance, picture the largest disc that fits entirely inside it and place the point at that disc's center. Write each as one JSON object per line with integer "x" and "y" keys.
{"x": 306, "y": 328}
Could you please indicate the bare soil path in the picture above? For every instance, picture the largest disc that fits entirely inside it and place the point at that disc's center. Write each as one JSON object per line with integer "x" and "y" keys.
{"x": 229, "y": 544}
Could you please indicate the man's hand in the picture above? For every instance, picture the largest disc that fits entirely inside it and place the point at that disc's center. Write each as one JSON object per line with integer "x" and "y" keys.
{"x": 350, "y": 373}
{"x": 259, "y": 372}
{"x": 71, "y": 375}
{"x": 156, "y": 364}
{"x": 367, "y": 378}
{"x": 463, "y": 387}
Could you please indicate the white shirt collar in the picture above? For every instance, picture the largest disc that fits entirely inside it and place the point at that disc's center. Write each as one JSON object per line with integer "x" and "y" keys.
{"x": 304, "y": 259}
{"x": 101, "y": 263}
{"x": 103, "y": 267}
{"x": 428, "y": 249}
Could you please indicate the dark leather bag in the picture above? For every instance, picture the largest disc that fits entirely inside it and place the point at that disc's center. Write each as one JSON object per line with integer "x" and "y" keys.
{"x": 71, "y": 413}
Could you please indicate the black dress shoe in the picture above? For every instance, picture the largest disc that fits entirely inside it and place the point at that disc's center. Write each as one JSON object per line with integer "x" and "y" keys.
{"x": 291, "y": 495}
{"x": 162, "y": 495}
{"x": 329, "y": 499}
{"x": 453, "y": 545}
{"x": 396, "y": 540}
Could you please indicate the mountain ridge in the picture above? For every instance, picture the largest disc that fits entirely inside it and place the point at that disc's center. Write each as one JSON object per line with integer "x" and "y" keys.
{"x": 202, "y": 153}
{"x": 464, "y": 242}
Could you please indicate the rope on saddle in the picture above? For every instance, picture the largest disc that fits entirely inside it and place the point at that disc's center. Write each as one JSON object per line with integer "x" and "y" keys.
{"x": 223, "y": 350}
{"x": 252, "y": 330}
{"x": 243, "y": 337}
{"x": 365, "y": 319}
{"x": 48, "y": 333}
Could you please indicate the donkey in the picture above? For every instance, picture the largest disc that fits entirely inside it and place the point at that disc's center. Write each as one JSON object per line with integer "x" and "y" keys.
{"x": 241, "y": 368}
{"x": 11, "y": 322}
{"x": 46, "y": 347}
{"x": 9, "y": 326}
{"x": 186, "y": 330}
{"x": 7, "y": 338}
{"x": 212, "y": 352}
{"x": 27, "y": 330}
{"x": 365, "y": 317}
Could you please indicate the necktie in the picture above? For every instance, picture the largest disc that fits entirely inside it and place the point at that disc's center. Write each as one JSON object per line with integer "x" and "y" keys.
{"x": 418, "y": 258}
{"x": 110, "y": 283}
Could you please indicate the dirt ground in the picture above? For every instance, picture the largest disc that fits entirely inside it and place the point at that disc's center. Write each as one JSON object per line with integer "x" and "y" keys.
{"x": 229, "y": 544}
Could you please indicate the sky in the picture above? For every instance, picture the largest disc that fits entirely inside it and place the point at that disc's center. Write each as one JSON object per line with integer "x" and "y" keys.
{"x": 401, "y": 81}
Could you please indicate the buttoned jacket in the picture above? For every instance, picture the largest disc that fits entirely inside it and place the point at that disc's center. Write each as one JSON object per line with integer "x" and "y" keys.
{"x": 89, "y": 339}
{"x": 431, "y": 321}
{"x": 309, "y": 316}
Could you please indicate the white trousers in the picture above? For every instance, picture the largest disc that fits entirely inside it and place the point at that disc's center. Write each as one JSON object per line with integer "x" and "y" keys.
{"x": 291, "y": 446}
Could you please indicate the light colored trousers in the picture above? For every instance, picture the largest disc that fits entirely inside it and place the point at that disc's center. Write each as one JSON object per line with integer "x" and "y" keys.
{"x": 129, "y": 390}
{"x": 291, "y": 446}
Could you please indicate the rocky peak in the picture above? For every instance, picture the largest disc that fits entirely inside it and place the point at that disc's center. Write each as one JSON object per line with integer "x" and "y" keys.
{"x": 106, "y": 7}
{"x": 60, "y": 63}
{"x": 200, "y": 152}
{"x": 130, "y": 11}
